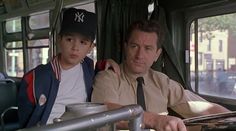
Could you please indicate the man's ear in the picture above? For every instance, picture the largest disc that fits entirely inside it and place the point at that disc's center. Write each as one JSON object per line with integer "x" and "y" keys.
{"x": 158, "y": 54}
{"x": 125, "y": 50}
{"x": 125, "y": 45}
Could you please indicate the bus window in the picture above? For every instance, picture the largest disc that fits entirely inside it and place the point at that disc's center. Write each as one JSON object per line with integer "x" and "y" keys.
{"x": 12, "y": 45}
{"x": 37, "y": 52}
{"x": 14, "y": 59}
{"x": 39, "y": 21}
{"x": 13, "y": 25}
{"x": 33, "y": 40}
{"x": 213, "y": 70}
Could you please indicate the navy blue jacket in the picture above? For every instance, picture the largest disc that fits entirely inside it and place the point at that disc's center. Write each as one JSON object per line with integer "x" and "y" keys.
{"x": 38, "y": 91}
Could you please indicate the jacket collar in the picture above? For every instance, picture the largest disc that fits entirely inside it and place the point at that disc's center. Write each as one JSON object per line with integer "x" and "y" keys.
{"x": 56, "y": 67}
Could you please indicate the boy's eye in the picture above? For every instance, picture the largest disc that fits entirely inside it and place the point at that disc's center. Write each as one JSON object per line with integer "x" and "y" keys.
{"x": 68, "y": 39}
{"x": 84, "y": 42}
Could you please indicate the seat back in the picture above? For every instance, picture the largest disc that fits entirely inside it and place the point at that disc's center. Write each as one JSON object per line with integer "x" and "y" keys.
{"x": 8, "y": 92}
{"x": 2, "y": 77}
{"x": 8, "y": 99}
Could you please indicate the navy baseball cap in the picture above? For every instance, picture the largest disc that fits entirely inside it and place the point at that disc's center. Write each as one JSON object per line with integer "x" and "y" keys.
{"x": 79, "y": 21}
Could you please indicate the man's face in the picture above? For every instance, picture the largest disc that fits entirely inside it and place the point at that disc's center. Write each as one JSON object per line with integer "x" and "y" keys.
{"x": 141, "y": 51}
{"x": 74, "y": 48}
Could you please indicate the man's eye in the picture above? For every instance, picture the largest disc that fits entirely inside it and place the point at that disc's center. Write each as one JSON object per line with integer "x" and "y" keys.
{"x": 149, "y": 48}
{"x": 133, "y": 46}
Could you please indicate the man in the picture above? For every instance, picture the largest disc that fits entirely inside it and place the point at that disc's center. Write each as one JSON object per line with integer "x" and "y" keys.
{"x": 142, "y": 48}
{"x": 67, "y": 79}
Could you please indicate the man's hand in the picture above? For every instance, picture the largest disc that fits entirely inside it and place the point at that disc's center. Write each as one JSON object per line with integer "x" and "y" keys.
{"x": 153, "y": 121}
{"x": 112, "y": 64}
{"x": 163, "y": 122}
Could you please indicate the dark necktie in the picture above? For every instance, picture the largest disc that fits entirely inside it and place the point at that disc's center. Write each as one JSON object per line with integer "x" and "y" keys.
{"x": 140, "y": 94}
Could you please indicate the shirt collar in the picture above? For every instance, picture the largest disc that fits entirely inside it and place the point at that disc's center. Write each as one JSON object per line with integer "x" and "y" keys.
{"x": 130, "y": 77}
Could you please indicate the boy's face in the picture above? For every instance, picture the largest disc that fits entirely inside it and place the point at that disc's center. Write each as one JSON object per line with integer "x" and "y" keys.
{"x": 74, "y": 48}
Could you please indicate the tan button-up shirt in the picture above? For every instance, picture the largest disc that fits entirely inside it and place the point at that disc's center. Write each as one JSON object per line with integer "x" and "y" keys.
{"x": 159, "y": 90}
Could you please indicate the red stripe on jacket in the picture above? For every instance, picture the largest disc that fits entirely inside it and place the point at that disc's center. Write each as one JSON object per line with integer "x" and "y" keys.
{"x": 30, "y": 88}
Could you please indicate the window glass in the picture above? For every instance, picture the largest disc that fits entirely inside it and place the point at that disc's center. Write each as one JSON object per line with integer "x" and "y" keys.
{"x": 38, "y": 43}
{"x": 89, "y": 7}
{"x": 39, "y": 21}
{"x": 220, "y": 45}
{"x": 209, "y": 46}
{"x": 37, "y": 56}
{"x": 14, "y": 63}
{"x": 14, "y": 44}
{"x": 13, "y": 26}
{"x": 216, "y": 56}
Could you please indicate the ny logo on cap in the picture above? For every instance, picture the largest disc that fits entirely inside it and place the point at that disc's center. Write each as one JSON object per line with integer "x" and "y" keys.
{"x": 79, "y": 17}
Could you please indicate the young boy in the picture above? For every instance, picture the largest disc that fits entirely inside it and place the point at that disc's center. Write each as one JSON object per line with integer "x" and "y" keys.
{"x": 67, "y": 78}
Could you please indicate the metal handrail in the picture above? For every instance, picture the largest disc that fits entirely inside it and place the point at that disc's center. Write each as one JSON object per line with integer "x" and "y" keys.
{"x": 134, "y": 113}
{"x": 55, "y": 17}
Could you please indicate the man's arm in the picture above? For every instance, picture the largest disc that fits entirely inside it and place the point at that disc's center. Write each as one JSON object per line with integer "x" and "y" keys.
{"x": 207, "y": 107}
{"x": 106, "y": 84}
{"x": 216, "y": 109}
{"x": 197, "y": 106}
{"x": 153, "y": 121}
{"x": 105, "y": 87}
